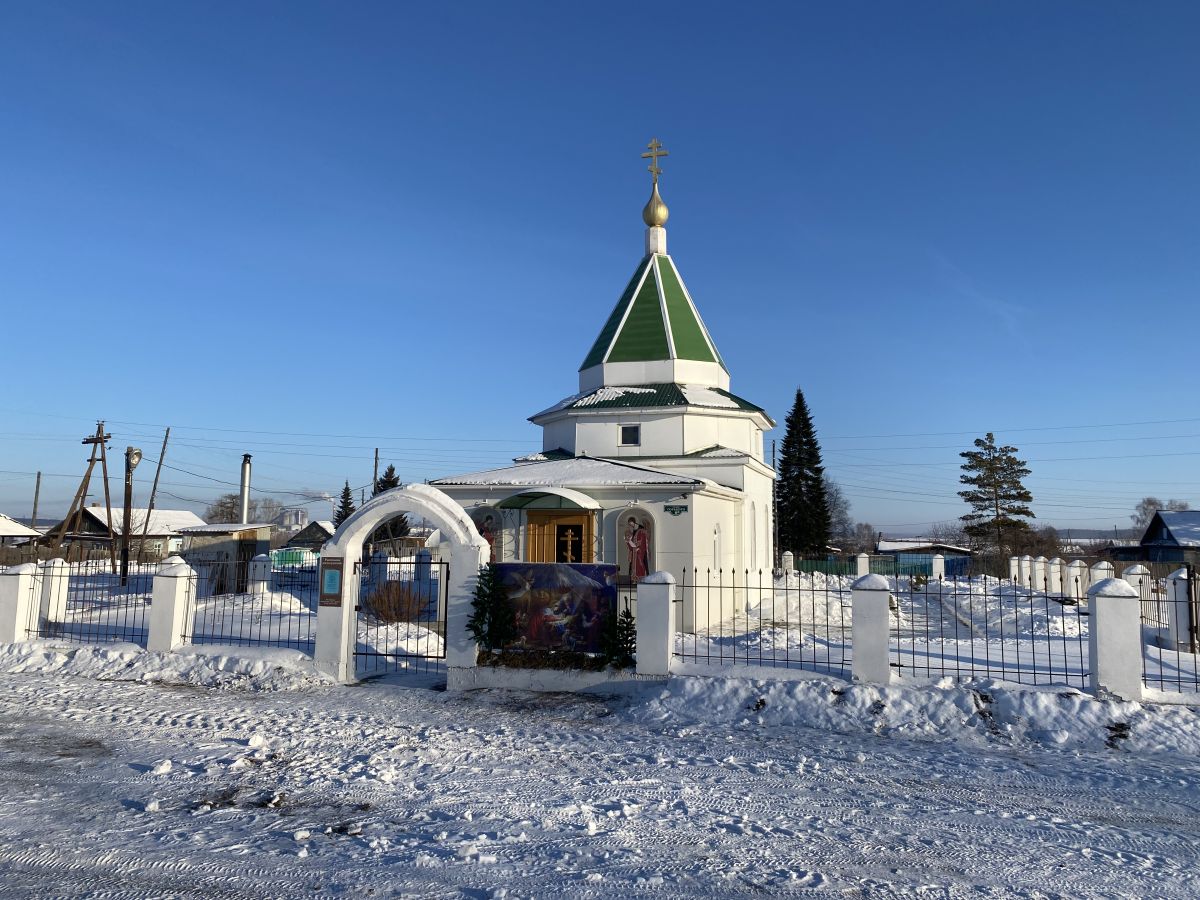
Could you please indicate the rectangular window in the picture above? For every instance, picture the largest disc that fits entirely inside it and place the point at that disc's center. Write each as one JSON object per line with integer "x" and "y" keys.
{"x": 631, "y": 435}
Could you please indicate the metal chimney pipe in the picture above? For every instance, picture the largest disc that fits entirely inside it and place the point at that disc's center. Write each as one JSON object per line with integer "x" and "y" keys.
{"x": 244, "y": 497}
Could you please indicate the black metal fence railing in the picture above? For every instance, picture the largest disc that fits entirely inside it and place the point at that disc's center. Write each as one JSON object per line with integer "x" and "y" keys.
{"x": 401, "y": 621}
{"x": 86, "y": 601}
{"x": 985, "y": 627}
{"x": 1170, "y": 629}
{"x": 752, "y": 618}
{"x": 249, "y": 603}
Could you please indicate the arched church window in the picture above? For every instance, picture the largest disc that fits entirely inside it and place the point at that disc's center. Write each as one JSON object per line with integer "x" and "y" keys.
{"x": 635, "y": 544}
{"x": 488, "y": 523}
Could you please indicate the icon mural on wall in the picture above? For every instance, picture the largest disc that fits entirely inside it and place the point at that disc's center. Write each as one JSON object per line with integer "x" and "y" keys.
{"x": 635, "y": 545}
{"x": 560, "y": 606}
{"x": 487, "y": 523}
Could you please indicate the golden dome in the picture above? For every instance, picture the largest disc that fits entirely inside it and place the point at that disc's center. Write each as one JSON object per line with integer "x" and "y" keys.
{"x": 656, "y": 212}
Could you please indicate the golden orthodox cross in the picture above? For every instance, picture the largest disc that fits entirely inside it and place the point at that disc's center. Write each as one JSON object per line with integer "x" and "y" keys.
{"x": 569, "y": 540}
{"x": 656, "y": 150}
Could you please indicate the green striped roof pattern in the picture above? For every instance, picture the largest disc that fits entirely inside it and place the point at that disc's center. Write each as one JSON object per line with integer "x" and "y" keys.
{"x": 654, "y": 319}
{"x": 645, "y": 396}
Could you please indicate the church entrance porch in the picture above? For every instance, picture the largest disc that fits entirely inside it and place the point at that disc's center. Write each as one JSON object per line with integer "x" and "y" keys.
{"x": 559, "y": 536}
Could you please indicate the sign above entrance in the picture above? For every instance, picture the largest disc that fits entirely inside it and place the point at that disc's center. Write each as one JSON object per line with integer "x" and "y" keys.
{"x": 675, "y": 509}
{"x": 331, "y": 581}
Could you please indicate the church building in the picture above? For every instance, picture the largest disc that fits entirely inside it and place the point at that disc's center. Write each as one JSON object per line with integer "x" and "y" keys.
{"x": 653, "y": 464}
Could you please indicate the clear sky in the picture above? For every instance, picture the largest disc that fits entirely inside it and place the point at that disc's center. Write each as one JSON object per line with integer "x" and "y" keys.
{"x": 304, "y": 230}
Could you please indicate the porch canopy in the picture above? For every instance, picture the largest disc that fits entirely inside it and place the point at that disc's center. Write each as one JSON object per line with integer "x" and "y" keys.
{"x": 542, "y": 496}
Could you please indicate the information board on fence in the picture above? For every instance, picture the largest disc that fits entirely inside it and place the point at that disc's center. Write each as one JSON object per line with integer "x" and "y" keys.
{"x": 331, "y": 581}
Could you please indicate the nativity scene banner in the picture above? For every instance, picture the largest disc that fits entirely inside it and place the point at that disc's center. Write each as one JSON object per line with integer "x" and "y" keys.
{"x": 560, "y": 606}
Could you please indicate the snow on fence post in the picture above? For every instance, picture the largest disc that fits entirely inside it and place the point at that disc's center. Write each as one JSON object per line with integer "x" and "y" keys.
{"x": 863, "y": 565}
{"x": 170, "y": 604}
{"x": 1039, "y": 573}
{"x": 1099, "y": 572}
{"x": 1054, "y": 574}
{"x": 17, "y": 590}
{"x": 1076, "y": 580}
{"x": 1014, "y": 568}
{"x": 1139, "y": 576}
{"x": 260, "y": 575}
{"x": 1115, "y": 639}
{"x": 870, "y": 620}
{"x": 655, "y": 623}
{"x": 55, "y": 580}
{"x": 1177, "y": 634}
{"x": 939, "y": 567}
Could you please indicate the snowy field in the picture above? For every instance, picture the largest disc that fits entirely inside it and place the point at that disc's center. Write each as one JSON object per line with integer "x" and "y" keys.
{"x": 242, "y": 776}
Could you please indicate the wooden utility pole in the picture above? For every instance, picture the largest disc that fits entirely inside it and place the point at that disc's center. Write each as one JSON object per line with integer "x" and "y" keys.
{"x": 153, "y": 490}
{"x": 75, "y": 513}
{"x": 112, "y": 537}
{"x": 37, "y": 491}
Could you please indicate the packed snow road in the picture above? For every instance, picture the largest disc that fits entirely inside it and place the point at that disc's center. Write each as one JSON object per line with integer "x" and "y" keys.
{"x": 123, "y": 789}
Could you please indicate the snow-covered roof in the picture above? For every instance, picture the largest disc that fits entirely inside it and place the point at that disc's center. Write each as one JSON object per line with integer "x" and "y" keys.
{"x": 13, "y": 528}
{"x": 911, "y": 545}
{"x": 225, "y": 527}
{"x": 327, "y": 525}
{"x": 1182, "y": 524}
{"x": 652, "y": 396}
{"x": 581, "y": 472}
{"x": 162, "y": 521}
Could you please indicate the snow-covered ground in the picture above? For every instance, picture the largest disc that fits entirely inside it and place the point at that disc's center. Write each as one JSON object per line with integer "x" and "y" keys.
{"x": 134, "y": 774}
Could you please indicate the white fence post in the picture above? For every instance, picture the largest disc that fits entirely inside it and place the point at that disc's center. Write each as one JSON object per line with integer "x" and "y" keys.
{"x": 863, "y": 563}
{"x": 1014, "y": 569}
{"x": 170, "y": 604}
{"x": 870, "y": 620}
{"x": 1055, "y": 576}
{"x": 55, "y": 581}
{"x": 1076, "y": 580}
{"x": 1177, "y": 634}
{"x": 655, "y": 623}
{"x": 1115, "y": 639}
{"x": 939, "y": 567}
{"x": 1139, "y": 576}
{"x": 1039, "y": 573}
{"x": 1101, "y": 571}
{"x": 259, "y": 577}
{"x": 18, "y": 605}
{"x": 788, "y": 561}
{"x": 1025, "y": 572}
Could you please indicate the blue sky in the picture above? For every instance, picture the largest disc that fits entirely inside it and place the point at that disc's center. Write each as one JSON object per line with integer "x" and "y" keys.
{"x": 304, "y": 230}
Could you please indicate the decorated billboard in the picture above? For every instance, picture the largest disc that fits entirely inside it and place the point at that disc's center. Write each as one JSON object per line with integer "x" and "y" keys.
{"x": 560, "y": 606}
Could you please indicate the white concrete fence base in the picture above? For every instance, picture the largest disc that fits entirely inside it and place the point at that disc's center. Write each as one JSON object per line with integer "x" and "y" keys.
{"x": 1115, "y": 639}
{"x": 870, "y": 618}
{"x": 655, "y": 624}
{"x": 171, "y": 600}
{"x": 19, "y": 603}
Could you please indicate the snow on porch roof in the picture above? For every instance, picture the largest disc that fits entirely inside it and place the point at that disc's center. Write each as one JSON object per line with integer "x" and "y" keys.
{"x": 581, "y": 472}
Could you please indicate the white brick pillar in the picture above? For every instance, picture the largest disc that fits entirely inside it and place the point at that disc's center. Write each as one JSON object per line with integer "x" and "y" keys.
{"x": 1115, "y": 639}
{"x": 655, "y": 624}
{"x": 55, "y": 580}
{"x": 1039, "y": 573}
{"x": 1014, "y": 569}
{"x": 1101, "y": 571}
{"x": 18, "y": 603}
{"x": 1025, "y": 571}
{"x": 870, "y": 618}
{"x": 1139, "y": 576}
{"x": 337, "y": 617}
{"x": 939, "y": 567}
{"x": 788, "y": 562}
{"x": 171, "y": 606}
{"x": 1075, "y": 582}
{"x": 1055, "y": 575}
{"x": 1177, "y": 633}
{"x": 864, "y": 565}
{"x": 259, "y": 578}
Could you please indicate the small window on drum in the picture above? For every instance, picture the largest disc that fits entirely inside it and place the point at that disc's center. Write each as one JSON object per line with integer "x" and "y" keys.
{"x": 631, "y": 435}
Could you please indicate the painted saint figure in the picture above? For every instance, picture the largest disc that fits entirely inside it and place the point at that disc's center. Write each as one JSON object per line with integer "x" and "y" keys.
{"x": 637, "y": 539}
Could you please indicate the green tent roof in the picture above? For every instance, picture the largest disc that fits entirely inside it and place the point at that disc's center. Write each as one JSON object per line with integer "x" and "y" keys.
{"x": 655, "y": 319}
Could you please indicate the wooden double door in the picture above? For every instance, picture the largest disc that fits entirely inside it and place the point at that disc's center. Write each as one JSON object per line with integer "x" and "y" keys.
{"x": 560, "y": 536}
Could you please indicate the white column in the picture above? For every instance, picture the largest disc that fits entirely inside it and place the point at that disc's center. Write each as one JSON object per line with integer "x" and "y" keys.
{"x": 1039, "y": 573}
{"x": 1014, "y": 568}
{"x": 1178, "y": 636}
{"x": 1139, "y": 576}
{"x": 1055, "y": 573}
{"x": 333, "y": 652}
{"x": 461, "y": 649}
{"x": 1101, "y": 571}
{"x": 864, "y": 564}
{"x": 1115, "y": 639}
{"x": 939, "y": 567}
{"x": 171, "y": 599}
{"x": 1075, "y": 582}
{"x": 18, "y": 603}
{"x": 655, "y": 624}
{"x": 870, "y": 618}
{"x": 1025, "y": 570}
{"x": 55, "y": 580}
{"x": 788, "y": 562}
{"x": 260, "y": 575}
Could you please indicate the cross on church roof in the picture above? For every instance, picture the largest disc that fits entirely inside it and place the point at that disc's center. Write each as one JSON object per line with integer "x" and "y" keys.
{"x": 656, "y": 150}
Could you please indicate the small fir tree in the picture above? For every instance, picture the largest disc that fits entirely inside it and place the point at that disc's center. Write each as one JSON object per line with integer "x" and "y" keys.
{"x": 398, "y": 527}
{"x": 618, "y": 642}
{"x": 388, "y": 480}
{"x": 996, "y": 494}
{"x": 493, "y": 621}
{"x": 803, "y": 506}
{"x": 345, "y": 507}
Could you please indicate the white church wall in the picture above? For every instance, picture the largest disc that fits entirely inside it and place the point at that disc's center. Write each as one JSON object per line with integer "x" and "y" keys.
{"x": 661, "y": 434}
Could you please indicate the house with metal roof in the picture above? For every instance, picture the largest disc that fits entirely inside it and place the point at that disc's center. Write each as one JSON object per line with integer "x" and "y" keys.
{"x": 652, "y": 463}
{"x": 1172, "y": 536}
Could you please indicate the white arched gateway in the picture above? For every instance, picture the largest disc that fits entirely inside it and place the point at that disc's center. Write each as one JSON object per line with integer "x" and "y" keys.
{"x": 339, "y": 587}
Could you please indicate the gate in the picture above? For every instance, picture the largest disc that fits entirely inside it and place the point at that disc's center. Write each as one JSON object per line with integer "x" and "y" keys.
{"x": 1171, "y": 630}
{"x": 401, "y": 616}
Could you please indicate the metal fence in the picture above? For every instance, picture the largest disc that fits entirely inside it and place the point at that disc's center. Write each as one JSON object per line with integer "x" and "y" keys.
{"x": 86, "y": 602}
{"x": 984, "y": 627}
{"x": 752, "y": 618}
{"x": 401, "y": 621}
{"x": 252, "y": 603}
{"x": 1170, "y": 607}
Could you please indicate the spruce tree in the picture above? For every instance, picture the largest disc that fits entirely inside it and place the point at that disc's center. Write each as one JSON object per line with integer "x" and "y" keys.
{"x": 803, "y": 507}
{"x": 995, "y": 493}
{"x": 345, "y": 507}
{"x": 388, "y": 480}
{"x": 493, "y": 621}
{"x": 394, "y": 528}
